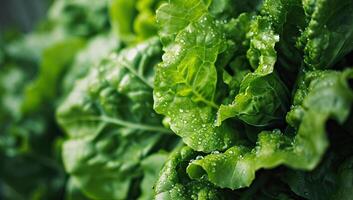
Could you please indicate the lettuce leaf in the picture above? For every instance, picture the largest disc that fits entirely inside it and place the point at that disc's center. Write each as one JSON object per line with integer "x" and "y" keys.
{"x": 95, "y": 50}
{"x": 329, "y": 34}
{"x": 55, "y": 61}
{"x": 111, "y": 124}
{"x": 134, "y": 21}
{"x": 323, "y": 95}
{"x": 186, "y": 81}
{"x": 175, "y": 184}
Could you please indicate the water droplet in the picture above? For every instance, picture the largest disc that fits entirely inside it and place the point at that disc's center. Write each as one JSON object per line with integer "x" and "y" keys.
{"x": 199, "y": 157}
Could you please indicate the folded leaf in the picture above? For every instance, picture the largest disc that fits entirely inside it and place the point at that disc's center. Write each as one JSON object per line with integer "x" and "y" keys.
{"x": 174, "y": 184}
{"x": 261, "y": 101}
{"x": 326, "y": 96}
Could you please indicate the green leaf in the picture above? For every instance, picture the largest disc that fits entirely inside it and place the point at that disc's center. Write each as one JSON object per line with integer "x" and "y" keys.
{"x": 29, "y": 49}
{"x": 134, "y": 21}
{"x": 263, "y": 98}
{"x": 266, "y": 31}
{"x": 261, "y": 101}
{"x": 12, "y": 82}
{"x": 73, "y": 192}
{"x": 127, "y": 79}
{"x": 329, "y": 180}
{"x": 176, "y": 15}
{"x": 327, "y": 96}
{"x": 226, "y": 9}
{"x": 80, "y": 18}
{"x": 151, "y": 167}
{"x": 96, "y": 49}
{"x": 329, "y": 34}
{"x": 111, "y": 124}
{"x": 261, "y": 54}
{"x": 345, "y": 179}
{"x": 56, "y": 59}
{"x": 186, "y": 81}
{"x": 37, "y": 180}
{"x": 174, "y": 184}
{"x": 104, "y": 168}
{"x": 145, "y": 24}
{"x": 122, "y": 13}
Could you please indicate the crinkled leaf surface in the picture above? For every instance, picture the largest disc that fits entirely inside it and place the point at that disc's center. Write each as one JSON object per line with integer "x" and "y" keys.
{"x": 262, "y": 100}
{"x": 329, "y": 34}
{"x": 321, "y": 96}
{"x": 186, "y": 80}
{"x": 96, "y": 49}
{"x": 111, "y": 123}
{"x": 174, "y": 184}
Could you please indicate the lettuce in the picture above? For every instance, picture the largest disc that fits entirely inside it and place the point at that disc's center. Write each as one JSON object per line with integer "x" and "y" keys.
{"x": 111, "y": 125}
{"x": 224, "y": 93}
{"x": 179, "y": 99}
{"x": 133, "y": 21}
{"x": 303, "y": 151}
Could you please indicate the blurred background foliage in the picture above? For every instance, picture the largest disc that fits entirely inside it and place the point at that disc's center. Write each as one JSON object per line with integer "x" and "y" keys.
{"x": 22, "y": 15}
{"x": 41, "y": 41}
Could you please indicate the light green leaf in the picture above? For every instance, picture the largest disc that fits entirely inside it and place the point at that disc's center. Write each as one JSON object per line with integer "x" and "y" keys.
{"x": 327, "y": 96}
{"x": 186, "y": 81}
{"x": 176, "y": 15}
{"x": 261, "y": 101}
{"x": 134, "y": 20}
{"x": 173, "y": 183}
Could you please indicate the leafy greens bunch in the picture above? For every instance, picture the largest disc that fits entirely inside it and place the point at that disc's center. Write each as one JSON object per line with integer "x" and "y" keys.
{"x": 180, "y": 99}
{"x": 245, "y": 85}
